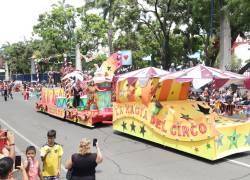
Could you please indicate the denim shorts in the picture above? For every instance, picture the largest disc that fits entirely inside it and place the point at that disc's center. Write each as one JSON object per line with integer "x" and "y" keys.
{"x": 51, "y": 178}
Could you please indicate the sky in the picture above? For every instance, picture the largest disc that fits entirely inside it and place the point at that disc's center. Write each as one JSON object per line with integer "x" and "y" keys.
{"x": 17, "y": 17}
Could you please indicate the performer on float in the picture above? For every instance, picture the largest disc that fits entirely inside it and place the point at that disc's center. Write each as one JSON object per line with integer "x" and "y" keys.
{"x": 51, "y": 78}
{"x": 91, "y": 92}
{"x": 77, "y": 94}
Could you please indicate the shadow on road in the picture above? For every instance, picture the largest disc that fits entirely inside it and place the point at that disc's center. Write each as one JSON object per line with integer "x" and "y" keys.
{"x": 181, "y": 153}
{"x": 97, "y": 125}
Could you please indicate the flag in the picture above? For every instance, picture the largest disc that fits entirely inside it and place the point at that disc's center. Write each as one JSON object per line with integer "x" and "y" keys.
{"x": 109, "y": 66}
{"x": 126, "y": 57}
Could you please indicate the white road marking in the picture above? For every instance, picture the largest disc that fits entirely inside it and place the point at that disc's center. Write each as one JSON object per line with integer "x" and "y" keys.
{"x": 239, "y": 163}
{"x": 23, "y": 137}
{"x": 18, "y": 133}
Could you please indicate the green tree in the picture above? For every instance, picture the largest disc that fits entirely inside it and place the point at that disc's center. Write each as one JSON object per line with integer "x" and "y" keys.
{"x": 91, "y": 35}
{"x": 160, "y": 16}
{"x": 92, "y": 32}
{"x": 18, "y": 56}
{"x": 57, "y": 28}
{"x": 238, "y": 12}
{"x": 110, "y": 9}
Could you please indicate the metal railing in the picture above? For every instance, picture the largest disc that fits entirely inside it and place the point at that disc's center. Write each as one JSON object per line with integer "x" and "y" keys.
{"x": 32, "y": 77}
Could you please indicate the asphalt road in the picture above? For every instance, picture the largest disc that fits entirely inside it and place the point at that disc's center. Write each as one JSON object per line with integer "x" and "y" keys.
{"x": 125, "y": 157}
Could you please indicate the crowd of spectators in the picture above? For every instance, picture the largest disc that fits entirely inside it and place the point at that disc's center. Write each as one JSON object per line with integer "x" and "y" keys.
{"x": 226, "y": 101}
{"x": 81, "y": 165}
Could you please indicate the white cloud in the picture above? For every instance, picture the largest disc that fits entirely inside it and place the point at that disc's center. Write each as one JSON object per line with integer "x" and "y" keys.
{"x": 17, "y": 17}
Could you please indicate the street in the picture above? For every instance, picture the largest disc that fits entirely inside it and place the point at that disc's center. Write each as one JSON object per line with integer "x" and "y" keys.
{"x": 125, "y": 157}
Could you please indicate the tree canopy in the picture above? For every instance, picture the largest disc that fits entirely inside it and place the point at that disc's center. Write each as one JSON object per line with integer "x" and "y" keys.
{"x": 168, "y": 30}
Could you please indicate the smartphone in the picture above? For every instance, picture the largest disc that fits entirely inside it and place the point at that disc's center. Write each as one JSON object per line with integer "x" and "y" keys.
{"x": 94, "y": 141}
{"x": 17, "y": 161}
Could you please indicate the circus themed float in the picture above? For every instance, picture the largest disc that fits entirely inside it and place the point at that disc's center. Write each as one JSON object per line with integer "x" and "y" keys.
{"x": 94, "y": 96}
{"x": 156, "y": 108}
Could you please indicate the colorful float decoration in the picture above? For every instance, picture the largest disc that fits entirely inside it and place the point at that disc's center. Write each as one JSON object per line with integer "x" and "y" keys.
{"x": 202, "y": 75}
{"x": 159, "y": 111}
{"x": 95, "y": 104}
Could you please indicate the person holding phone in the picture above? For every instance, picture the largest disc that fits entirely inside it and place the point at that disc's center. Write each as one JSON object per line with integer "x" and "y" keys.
{"x": 51, "y": 154}
{"x": 8, "y": 158}
{"x": 8, "y": 147}
{"x": 3, "y": 141}
{"x": 82, "y": 164}
{"x": 6, "y": 169}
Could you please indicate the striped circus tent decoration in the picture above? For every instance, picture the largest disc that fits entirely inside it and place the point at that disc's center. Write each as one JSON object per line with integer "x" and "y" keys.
{"x": 201, "y": 75}
{"x": 154, "y": 90}
{"x": 129, "y": 86}
{"x": 144, "y": 85}
{"x": 173, "y": 90}
{"x": 143, "y": 73}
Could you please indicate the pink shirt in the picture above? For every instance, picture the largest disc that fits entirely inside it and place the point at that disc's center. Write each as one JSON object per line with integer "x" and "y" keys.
{"x": 33, "y": 171}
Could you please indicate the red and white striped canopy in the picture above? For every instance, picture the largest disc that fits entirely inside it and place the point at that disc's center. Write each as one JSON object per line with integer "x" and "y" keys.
{"x": 201, "y": 75}
{"x": 143, "y": 73}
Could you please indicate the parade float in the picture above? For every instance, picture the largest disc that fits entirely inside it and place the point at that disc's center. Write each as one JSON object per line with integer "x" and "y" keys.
{"x": 158, "y": 110}
{"x": 95, "y": 103}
